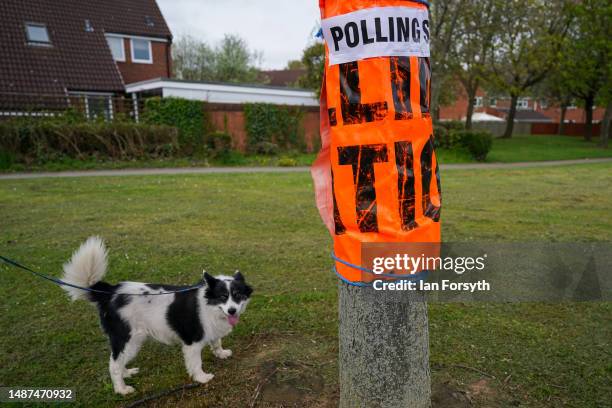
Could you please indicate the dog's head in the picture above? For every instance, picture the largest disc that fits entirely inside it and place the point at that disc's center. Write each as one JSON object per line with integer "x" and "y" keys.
{"x": 231, "y": 294}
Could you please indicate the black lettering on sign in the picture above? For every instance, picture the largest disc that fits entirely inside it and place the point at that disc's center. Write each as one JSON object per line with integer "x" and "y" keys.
{"x": 362, "y": 159}
{"x": 391, "y": 30}
{"x": 364, "y": 32}
{"x": 379, "y": 36}
{"x": 404, "y": 161}
{"x": 337, "y": 35}
{"x": 353, "y": 111}
{"x": 338, "y": 224}
{"x": 333, "y": 121}
{"x": 426, "y": 30}
{"x": 403, "y": 29}
{"x": 425, "y": 82}
{"x": 416, "y": 33}
{"x": 351, "y": 41}
{"x": 400, "y": 87}
{"x": 428, "y": 160}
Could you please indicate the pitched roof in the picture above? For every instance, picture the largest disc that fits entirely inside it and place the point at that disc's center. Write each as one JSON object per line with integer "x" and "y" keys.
{"x": 77, "y": 59}
{"x": 284, "y": 77}
{"x": 527, "y": 115}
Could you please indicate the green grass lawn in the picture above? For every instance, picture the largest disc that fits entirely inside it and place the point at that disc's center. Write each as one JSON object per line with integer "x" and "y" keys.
{"x": 517, "y": 149}
{"x": 545, "y": 147}
{"x": 168, "y": 228}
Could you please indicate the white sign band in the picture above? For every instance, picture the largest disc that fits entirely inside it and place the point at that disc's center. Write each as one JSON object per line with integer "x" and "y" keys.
{"x": 377, "y": 32}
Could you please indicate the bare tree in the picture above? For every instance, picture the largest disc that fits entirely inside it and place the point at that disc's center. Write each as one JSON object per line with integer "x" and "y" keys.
{"x": 472, "y": 49}
{"x": 444, "y": 15}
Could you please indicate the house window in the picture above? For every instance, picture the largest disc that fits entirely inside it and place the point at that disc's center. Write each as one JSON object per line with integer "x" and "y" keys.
{"x": 141, "y": 51}
{"x": 117, "y": 48}
{"x": 493, "y": 102}
{"x": 522, "y": 103}
{"x": 544, "y": 104}
{"x": 478, "y": 102}
{"x": 96, "y": 106}
{"x": 37, "y": 34}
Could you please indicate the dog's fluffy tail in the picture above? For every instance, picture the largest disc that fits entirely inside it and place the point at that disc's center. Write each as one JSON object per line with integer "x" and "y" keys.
{"x": 86, "y": 267}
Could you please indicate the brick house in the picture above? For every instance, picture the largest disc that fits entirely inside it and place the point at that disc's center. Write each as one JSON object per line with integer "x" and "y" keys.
{"x": 63, "y": 51}
{"x": 529, "y": 109}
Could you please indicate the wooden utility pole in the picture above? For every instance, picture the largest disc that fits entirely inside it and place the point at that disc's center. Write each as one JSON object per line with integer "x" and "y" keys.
{"x": 384, "y": 349}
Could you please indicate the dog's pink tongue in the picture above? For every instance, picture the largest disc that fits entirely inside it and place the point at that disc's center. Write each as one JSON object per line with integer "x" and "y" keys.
{"x": 232, "y": 320}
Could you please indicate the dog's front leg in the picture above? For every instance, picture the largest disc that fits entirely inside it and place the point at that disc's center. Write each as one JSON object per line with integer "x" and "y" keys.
{"x": 219, "y": 351}
{"x": 193, "y": 362}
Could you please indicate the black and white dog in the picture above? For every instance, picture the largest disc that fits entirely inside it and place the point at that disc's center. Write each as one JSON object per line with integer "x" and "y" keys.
{"x": 195, "y": 318}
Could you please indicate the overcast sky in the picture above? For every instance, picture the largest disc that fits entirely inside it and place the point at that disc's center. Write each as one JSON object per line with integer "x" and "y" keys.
{"x": 280, "y": 29}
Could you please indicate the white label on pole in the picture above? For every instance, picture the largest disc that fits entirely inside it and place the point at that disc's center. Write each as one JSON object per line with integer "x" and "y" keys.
{"x": 377, "y": 32}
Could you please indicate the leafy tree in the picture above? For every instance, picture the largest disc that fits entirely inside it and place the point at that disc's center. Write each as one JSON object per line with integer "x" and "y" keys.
{"x": 234, "y": 61}
{"x": 295, "y": 64}
{"x": 557, "y": 92}
{"x": 230, "y": 60}
{"x": 605, "y": 99}
{"x": 193, "y": 59}
{"x": 526, "y": 47}
{"x": 585, "y": 67}
{"x": 313, "y": 59}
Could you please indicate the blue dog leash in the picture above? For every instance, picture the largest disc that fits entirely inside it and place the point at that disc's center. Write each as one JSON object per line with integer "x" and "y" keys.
{"x": 62, "y": 283}
{"x": 15, "y": 264}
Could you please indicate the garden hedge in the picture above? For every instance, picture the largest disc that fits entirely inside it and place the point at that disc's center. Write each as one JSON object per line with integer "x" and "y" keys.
{"x": 191, "y": 118}
{"x": 40, "y": 141}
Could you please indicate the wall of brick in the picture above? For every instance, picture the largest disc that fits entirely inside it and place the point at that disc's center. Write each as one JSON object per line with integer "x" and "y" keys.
{"x": 134, "y": 72}
{"x": 574, "y": 115}
{"x": 458, "y": 109}
{"x": 231, "y": 119}
{"x": 570, "y": 129}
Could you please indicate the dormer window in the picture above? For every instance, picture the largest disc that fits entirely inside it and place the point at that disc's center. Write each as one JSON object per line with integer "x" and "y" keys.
{"x": 88, "y": 26}
{"x": 141, "y": 51}
{"x": 117, "y": 47}
{"x": 37, "y": 34}
{"x": 149, "y": 21}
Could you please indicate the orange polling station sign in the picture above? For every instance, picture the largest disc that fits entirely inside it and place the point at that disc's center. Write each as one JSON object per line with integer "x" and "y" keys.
{"x": 376, "y": 176}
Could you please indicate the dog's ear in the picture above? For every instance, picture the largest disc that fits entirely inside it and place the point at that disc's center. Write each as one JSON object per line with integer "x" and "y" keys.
{"x": 248, "y": 290}
{"x": 211, "y": 281}
{"x": 238, "y": 276}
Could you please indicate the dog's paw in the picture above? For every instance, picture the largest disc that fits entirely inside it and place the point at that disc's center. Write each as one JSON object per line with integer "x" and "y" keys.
{"x": 128, "y": 372}
{"x": 223, "y": 353}
{"x": 203, "y": 378}
{"x": 128, "y": 389}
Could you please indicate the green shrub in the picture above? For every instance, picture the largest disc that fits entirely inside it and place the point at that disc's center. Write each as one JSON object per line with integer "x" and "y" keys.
{"x": 189, "y": 117}
{"x": 477, "y": 143}
{"x": 218, "y": 142}
{"x": 230, "y": 158}
{"x": 446, "y": 139}
{"x": 7, "y": 159}
{"x": 274, "y": 124}
{"x": 287, "y": 162}
{"x": 265, "y": 148}
{"x": 42, "y": 141}
{"x": 451, "y": 125}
